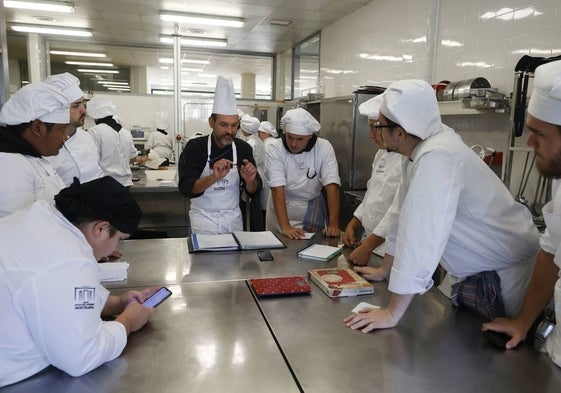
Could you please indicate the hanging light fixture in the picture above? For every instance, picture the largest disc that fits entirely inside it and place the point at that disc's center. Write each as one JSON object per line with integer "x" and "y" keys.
{"x": 201, "y": 19}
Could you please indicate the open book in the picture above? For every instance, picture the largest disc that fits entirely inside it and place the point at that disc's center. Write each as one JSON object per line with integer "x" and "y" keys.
{"x": 235, "y": 241}
{"x": 319, "y": 252}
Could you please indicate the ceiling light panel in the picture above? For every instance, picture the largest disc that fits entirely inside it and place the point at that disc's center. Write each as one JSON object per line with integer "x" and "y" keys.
{"x": 51, "y": 30}
{"x": 88, "y": 63}
{"x": 53, "y": 6}
{"x": 77, "y": 54}
{"x": 201, "y": 19}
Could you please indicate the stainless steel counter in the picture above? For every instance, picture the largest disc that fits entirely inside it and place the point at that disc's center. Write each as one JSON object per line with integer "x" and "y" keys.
{"x": 212, "y": 336}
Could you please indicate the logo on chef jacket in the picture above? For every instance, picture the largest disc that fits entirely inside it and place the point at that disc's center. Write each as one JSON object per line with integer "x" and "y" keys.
{"x": 381, "y": 166}
{"x": 84, "y": 298}
{"x": 221, "y": 185}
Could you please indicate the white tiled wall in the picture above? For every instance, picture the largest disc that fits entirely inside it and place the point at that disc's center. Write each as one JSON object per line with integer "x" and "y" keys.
{"x": 391, "y": 33}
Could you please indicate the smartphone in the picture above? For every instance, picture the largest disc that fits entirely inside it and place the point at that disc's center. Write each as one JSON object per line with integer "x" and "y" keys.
{"x": 159, "y": 296}
{"x": 265, "y": 256}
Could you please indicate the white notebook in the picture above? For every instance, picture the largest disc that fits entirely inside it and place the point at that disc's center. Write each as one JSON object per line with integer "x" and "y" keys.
{"x": 257, "y": 240}
{"x": 319, "y": 252}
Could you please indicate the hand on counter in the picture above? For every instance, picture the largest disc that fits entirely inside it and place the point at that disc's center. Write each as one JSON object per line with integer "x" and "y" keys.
{"x": 511, "y": 327}
{"x": 293, "y": 233}
{"x": 332, "y": 231}
{"x": 370, "y": 319}
{"x": 361, "y": 256}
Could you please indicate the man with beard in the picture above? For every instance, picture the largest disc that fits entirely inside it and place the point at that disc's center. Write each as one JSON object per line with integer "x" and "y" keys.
{"x": 34, "y": 124}
{"x": 213, "y": 169}
{"x": 79, "y": 155}
{"x": 544, "y": 122}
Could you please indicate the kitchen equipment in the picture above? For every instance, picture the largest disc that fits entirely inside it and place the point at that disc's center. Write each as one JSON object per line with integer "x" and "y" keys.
{"x": 520, "y": 198}
{"x": 456, "y": 91}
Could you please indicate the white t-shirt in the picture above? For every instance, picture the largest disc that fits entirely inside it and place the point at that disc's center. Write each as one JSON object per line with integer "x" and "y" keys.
{"x": 51, "y": 298}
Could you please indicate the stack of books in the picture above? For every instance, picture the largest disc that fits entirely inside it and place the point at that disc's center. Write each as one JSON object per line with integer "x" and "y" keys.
{"x": 340, "y": 282}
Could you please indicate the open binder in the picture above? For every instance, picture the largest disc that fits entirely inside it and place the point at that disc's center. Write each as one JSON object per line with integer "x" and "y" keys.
{"x": 239, "y": 240}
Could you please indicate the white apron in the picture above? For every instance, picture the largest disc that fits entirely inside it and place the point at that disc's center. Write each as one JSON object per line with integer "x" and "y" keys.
{"x": 302, "y": 185}
{"x": 553, "y": 343}
{"x": 52, "y": 183}
{"x": 218, "y": 209}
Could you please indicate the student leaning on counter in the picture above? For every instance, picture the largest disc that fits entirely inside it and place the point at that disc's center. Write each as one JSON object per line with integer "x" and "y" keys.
{"x": 34, "y": 124}
{"x": 452, "y": 209}
{"x": 50, "y": 294}
{"x": 544, "y": 122}
{"x": 211, "y": 168}
{"x": 298, "y": 166}
{"x": 380, "y": 192}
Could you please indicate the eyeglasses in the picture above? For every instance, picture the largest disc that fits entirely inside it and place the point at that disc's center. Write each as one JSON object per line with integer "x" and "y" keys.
{"x": 379, "y": 126}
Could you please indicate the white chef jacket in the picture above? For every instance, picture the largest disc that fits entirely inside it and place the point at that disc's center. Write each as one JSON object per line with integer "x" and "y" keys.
{"x": 550, "y": 242}
{"x": 260, "y": 158}
{"x": 453, "y": 206}
{"x": 116, "y": 149}
{"x": 160, "y": 143}
{"x": 26, "y": 179}
{"x": 51, "y": 298}
{"x": 293, "y": 172}
{"x": 78, "y": 158}
{"x": 380, "y": 192}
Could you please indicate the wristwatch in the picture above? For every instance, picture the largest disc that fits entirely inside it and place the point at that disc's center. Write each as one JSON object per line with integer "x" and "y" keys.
{"x": 544, "y": 328}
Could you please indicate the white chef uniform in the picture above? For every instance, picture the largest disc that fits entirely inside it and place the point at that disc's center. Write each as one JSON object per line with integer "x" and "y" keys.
{"x": 161, "y": 143}
{"x": 116, "y": 149}
{"x": 78, "y": 158}
{"x": 443, "y": 214}
{"x": 51, "y": 304}
{"x": 26, "y": 179}
{"x": 380, "y": 192}
{"x": 302, "y": 176}
{"x": 217, "y": 210}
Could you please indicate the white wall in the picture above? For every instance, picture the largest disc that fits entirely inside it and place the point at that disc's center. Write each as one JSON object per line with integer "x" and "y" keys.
{"x": 387, "y": 30}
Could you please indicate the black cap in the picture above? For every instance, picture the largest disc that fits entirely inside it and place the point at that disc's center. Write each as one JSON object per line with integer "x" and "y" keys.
{"x": 100, "y": 199}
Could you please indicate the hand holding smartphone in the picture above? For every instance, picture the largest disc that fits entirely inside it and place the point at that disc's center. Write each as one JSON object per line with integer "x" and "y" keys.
{"x": 158, "y": 297}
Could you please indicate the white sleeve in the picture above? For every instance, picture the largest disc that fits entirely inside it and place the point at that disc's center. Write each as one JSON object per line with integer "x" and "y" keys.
{"x": 20, "y": 177}
{"x": 132, "y": 149}
{"x": 425, "y": 222}
{"x": 63, "y": 307}
{"x": 359, "y": 212}
{"x": 150, "y": 140}
{"x": 391, "y": 219}
{"x": 390, "y": 187}
{"x": 329, "y": 170}
{"x": 276, "y": 165}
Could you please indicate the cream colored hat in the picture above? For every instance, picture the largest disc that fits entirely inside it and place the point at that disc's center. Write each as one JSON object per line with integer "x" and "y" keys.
{"x": 545, "y": 102}
{"x": 68, "y": 85}
{"x": 412, "y": 104}
{"x": 249, "y": 124}
{"x": 269, "y": 128}
{"x": 162, "y": 124}
{"x": 371, "y": 108}
{"x": 224, "y": 97}
{"x": 36, "y": 101}
{"x": 99, "y": 107}
{"x": 300, "y": 122}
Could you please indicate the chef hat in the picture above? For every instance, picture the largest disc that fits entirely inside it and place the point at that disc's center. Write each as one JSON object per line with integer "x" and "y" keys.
{"x": 545, "y": 102}
{"x": 67, "y": 84}
{"x": 300, "y": 122}
{"x": 161, "y": 124}
{"x": 224, "y": 97}
{"x": 412, "y": 104}
{"x": 249, "y": 124}
{"x": 371, "y": 108}
{"x": 99, "y": 107}
{"x": 269, "y": 128}
{"x": 36, "y": 101}
{"x": 100, "y": 199}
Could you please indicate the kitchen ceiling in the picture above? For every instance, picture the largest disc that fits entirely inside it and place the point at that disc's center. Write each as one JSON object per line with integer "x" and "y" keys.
{"x": 128, "y": 31}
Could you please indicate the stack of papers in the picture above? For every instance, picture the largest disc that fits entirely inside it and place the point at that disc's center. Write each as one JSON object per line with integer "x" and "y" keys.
{"x": 319, "y": 252}
{"x": 224, "y": 242}
{"x": 113, "y": 271}
{"x": 257, "y": 240}
{"x": 236, "y": 241}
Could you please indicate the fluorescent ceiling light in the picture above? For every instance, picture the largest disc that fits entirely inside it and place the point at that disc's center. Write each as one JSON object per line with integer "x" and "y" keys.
{"x": 280, "y": 22}
{"x": 40, "y": 29}
{"x": 88, "y": 63}
{"x": 54, "y": 6}
{"x": 201, "y": 19}
{"x": 191, "y": 70}
{"x": 169, "y": 60}
{"x": 88, "y": 71}
{"x": 113, "y": 83}
{"x": 118, "y": 88}
{"x": 196, "y": 41}
{"x": 77, "y": 54}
